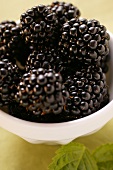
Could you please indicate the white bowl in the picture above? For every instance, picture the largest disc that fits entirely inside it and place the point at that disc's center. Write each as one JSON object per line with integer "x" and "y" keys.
{"x": 61, "y": 133}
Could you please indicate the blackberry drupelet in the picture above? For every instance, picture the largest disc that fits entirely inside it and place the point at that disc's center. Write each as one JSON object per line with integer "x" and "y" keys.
{"x": 64, "y": 12}
{"x": 39, "y": 27}
{"x": 47, "y": 59}
{"x": 41, "y": 92}
{"x": 88, "y": 92}
{"x": 9, "y": 78}
{"x": 85, "y": 41}
{"x": 12, "y": 45}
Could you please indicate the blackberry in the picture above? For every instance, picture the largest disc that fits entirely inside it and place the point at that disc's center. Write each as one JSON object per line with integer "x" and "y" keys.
{"x": 39, "y": 27}
{"x": 9, "y": 78}
{"x": 64, "y": 11}
{"x": 88, "y": 92}
{"x": 85, "y": 41}
{"x": 42, "y": 92}
{"x": 47, "y": 59}
{"x": 12, "y": 45}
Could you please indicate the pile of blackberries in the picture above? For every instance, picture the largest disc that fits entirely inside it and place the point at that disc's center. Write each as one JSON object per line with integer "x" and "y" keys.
{"x": 53, "y": 64}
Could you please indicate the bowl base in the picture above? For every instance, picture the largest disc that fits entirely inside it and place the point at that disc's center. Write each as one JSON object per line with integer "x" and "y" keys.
{"x": 61, "y": 142}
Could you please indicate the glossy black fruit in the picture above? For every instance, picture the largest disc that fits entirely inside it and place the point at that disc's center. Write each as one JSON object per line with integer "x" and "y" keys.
{"x": 86, "y": 41}
{"x": 88, "y": 92}
{"x": 12, "y": 44}
{"x": 41, "y": 92}
{"x": 47, "y": 59}
{"x": 64, "y": 12}
{"x": 9, "y": 78}
{"x": 39, "y": 27}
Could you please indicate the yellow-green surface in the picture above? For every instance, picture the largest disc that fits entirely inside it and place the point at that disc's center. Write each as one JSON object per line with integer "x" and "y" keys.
{"x": 17, "y": 154}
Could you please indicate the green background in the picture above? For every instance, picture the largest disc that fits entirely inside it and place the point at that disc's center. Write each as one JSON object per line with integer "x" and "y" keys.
{"x": 17, "y": 154}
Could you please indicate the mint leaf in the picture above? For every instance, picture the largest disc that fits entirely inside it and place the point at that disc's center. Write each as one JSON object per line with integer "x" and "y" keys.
{"x": 104, "y": 157}
{"x": 73, "y": 156}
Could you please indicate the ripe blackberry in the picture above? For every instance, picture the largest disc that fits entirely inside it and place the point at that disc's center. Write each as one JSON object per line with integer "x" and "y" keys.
{"x": 85, "y": 41}
{"x": 39, "y": 27}
{"x": 9, "y": 78}
{"x": 88, "y": 92}
{"x": 64, "y": 11}
{"x": 12, "y": 45}
{"x": 42, "y": 92}
{"x": 46, "y": 59}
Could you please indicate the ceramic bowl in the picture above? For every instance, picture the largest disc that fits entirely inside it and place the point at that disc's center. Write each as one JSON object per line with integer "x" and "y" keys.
{"x": 62, "y": 133}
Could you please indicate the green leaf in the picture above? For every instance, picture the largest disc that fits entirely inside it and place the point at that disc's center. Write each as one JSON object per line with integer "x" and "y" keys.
{"x": 73, "y": 156}
{"x": 104, "y": 157}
